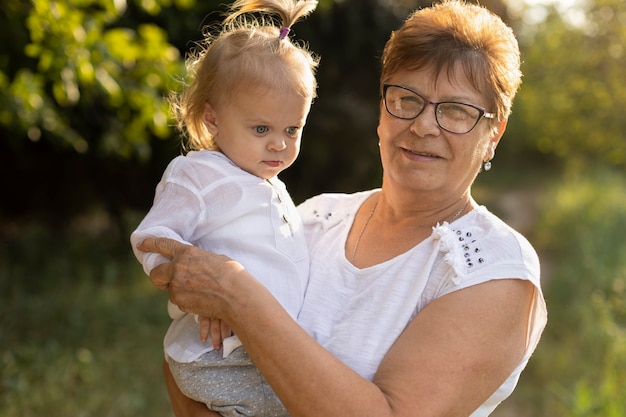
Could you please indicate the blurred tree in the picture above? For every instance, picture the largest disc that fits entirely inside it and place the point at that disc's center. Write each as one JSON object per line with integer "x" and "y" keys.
{"x": 92, "y": 76}
{"x": 570, "y": 105}
{"x": 83, "y": 94}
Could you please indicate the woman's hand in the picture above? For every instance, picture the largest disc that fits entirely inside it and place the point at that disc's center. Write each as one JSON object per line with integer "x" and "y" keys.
{"x": 198, "y": 281}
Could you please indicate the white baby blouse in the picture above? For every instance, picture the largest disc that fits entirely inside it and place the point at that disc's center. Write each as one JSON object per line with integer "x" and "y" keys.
{"x": 205, "y": 200}
{"x": 357, "y": 314}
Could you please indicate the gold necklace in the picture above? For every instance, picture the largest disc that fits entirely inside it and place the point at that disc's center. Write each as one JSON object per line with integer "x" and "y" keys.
{"x": 358, "y": 239}
{"x": 458, "y": 213}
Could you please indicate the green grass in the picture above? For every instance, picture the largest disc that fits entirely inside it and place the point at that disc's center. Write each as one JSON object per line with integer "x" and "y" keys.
{"x": 73, "y": 340}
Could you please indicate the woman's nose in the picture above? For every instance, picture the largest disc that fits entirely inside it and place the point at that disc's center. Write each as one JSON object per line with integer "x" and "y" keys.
{"x": 426, "y": 122}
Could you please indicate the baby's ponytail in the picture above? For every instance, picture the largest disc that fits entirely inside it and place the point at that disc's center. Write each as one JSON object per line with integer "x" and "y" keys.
{"x": 289, "y": 11}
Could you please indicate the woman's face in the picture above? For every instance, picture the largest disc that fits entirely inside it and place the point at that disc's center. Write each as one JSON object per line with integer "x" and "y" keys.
{"x": 418, "y": 154}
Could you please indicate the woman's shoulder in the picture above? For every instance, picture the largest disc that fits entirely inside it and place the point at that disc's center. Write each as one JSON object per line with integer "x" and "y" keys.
{"x": 481, "y": 244}
{"x": 497, "y": 231}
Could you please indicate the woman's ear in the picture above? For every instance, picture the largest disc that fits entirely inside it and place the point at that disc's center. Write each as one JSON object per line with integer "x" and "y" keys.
{"x": 494, "y": 140}
{"x": 209, "y": 117}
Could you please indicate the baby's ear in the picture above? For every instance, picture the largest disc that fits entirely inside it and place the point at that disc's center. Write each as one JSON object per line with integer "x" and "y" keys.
{"x": 210, "y": 119}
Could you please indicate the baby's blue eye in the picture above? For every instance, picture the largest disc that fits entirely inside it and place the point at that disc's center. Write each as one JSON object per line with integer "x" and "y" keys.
{"x": 261, "y": 129}
{"x": 292, "y": 131}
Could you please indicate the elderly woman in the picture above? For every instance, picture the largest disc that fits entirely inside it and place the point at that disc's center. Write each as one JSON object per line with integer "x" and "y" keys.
{"x": 420, "y": 302}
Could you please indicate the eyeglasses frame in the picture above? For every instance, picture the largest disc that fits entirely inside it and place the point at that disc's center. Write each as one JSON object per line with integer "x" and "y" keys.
{"x": 481, "y": 111}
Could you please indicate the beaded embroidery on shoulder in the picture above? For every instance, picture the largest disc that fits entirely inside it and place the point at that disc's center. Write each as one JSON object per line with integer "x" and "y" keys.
{"x": 460, "y": 247}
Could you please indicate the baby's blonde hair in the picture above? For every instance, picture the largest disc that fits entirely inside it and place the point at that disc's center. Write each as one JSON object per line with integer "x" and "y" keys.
{"x": 252, "y": 50}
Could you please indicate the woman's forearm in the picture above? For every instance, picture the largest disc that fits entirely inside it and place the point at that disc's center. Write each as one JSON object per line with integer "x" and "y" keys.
{"x": 307, "y": 378}
{"x": 431, "y": 370}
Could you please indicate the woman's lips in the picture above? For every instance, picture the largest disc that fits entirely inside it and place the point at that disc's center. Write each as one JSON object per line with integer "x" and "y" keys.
{"x": 420, "y": 155}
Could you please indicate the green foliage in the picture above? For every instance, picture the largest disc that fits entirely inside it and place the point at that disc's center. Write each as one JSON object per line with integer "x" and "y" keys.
{"x": 579, "y": 369}
{"x": 94, "y": 85}
{"x": 570, "y": 103}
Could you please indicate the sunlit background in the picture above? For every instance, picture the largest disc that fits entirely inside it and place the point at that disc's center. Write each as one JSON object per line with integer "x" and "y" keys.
{"x": 85, "y": 134}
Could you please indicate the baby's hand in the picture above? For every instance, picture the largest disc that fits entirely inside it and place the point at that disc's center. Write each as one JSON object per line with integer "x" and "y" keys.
{"x": 216, "y": 328}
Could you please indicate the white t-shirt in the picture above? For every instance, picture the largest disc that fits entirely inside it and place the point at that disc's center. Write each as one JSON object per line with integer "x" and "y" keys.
{"x": 357, "y": 314}
{"x": 205, "y": 200}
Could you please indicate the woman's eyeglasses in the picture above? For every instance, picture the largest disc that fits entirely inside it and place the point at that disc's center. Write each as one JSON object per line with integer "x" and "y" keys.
{"x": 453, "y": 117}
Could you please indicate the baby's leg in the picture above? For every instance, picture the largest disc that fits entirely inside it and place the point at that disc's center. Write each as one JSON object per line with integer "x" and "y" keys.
{"x": 182, "y": 405}
{"x": 232, "y": 386}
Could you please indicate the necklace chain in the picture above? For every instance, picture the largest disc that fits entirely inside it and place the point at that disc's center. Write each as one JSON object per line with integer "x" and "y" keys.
{"x": 358, "y": 239}
{"x": 458, "y": 213}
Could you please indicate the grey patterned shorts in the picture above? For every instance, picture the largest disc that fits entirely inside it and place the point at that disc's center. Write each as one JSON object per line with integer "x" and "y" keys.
{"x": 232, "y": 386}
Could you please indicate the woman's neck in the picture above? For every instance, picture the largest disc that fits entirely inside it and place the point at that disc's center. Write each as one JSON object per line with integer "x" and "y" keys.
{"x": 422, "y": 210}
{"x": 385, "y": 227}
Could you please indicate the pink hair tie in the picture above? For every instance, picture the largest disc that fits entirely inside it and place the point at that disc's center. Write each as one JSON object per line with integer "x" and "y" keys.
{"x": 284, "y": 31}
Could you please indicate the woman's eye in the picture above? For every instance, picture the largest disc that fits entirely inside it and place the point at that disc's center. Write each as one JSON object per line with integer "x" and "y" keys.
{"x": 411, "y": 100}
{"x": 261, "y": 129}
{"x": 458, "y": 111}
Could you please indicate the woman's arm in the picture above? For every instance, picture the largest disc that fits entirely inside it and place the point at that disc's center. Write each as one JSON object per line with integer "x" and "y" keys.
{"x": 448, "y": 361}
{"x": 458, "y": 350}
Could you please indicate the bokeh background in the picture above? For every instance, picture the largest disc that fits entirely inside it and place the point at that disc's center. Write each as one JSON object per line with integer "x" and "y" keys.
{"x": 85, "y": 134}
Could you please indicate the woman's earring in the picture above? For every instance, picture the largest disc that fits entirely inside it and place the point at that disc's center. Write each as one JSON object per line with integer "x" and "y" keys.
{"x": 487, "y": 166}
